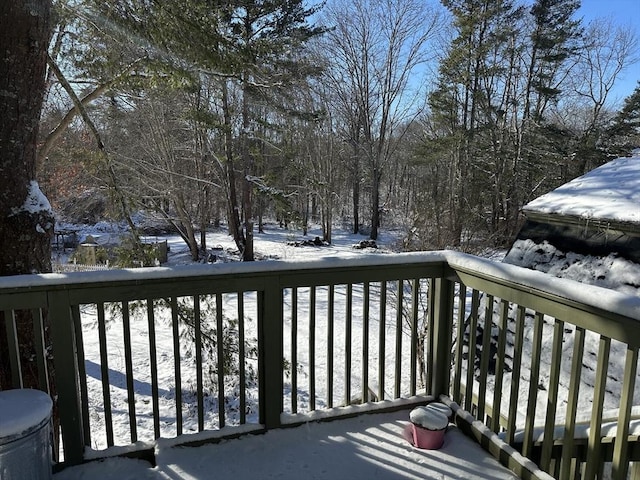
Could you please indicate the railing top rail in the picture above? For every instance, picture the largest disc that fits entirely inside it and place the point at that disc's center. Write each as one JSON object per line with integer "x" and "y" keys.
{"x": 138, "y": 275}
{"x": 493, "y": 277}
{"x": 555, "y": 296}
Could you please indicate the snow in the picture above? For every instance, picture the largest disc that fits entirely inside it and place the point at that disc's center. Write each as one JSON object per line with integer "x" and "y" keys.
{"x": 23, "y": 411}
{"x": 610, "y": 272}
{"x": 428, "y": 417}
{"x": 609, "y": 192}
{"x": 481, "y": 429}
{"x": 35, "y": 202}
{"x": 175, "y": 461}
{"x": 368, "y": 446}
{"x": 588, "y": 294}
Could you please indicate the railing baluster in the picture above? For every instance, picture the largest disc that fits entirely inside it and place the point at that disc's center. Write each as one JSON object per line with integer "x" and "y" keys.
{"x": 153, "y": 364}
{"x": 567, "y": 463}
{"x": 484, "y": 356}
{"x": 347, "y": 344}
{"x": 415, "y": 292}
{"x": 515, "y": 375}
{"x": 462, "y": 302}
{"x": 312, "y": 348}
{"x": 176, "y": 363}
{"x": 554, "y": 383}
{"x": 620, "y": 464}
{"x": 128, "y": 360}
{"x": 499, "y": 369}
{"x": 527, "y": 445}
{"x": 82, "y": 372}
{"x": 471, "y": 352}
{"x": 381, "y": 341}
{"x": 294, "y": 350}
{"x": 41, "y": 358}
{"x": 104, "y": 373}
{"x": 14, "y": 350}
{"x": 241, "y": 361}
{"x": 220, "y": 355}
{"x": 594, "y": 459}
{"x": 330, "y": 310}
{"x": 399, "y": 310}
{"x": 365, "y": 342}
{"x": 431, "y": 326}
{"x": 197, "y": 323}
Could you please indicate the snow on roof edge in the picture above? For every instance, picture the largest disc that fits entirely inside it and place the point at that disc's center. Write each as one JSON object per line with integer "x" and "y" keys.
{"x": 609, "y": 192}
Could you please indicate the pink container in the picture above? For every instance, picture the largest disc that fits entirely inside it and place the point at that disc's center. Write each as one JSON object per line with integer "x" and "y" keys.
{"x": 428, "y": 425}
{"x": 427, "y": 439}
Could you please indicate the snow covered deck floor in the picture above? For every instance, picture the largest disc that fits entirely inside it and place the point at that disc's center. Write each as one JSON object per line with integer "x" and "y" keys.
{"x": 365, "y": 447}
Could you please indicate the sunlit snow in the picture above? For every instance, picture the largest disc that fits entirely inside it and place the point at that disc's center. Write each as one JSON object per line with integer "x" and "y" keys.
{"x": 610, "y": 192}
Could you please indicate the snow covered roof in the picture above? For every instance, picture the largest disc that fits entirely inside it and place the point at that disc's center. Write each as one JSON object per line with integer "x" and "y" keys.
{"x": 610, "y": 193}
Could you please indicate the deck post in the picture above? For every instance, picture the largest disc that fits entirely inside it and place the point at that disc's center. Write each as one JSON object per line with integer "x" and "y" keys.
{"x": 66, "y": 367}
{"x": 441, "y": 322}
{"x": 270, "y": 354}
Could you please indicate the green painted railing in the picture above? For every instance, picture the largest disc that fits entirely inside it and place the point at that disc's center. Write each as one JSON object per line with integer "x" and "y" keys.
{"x": 202, "y": 352}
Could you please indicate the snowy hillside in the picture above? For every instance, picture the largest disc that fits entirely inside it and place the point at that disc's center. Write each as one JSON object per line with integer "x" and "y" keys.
{"x": 609, "y": 272}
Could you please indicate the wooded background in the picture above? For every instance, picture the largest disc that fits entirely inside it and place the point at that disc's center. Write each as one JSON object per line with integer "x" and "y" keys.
{"x": 441, "y": 119}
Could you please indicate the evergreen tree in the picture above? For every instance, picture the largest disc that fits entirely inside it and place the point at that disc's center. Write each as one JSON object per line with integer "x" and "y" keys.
{"x": 252, "y": 50}
{"x": 624, "y": 133}
{"x": 468, "y": 108}
{"x": 553, "y": 41}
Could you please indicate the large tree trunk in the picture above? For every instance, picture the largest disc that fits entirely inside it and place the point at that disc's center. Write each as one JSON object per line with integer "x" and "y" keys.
{"x": 26, "y": 219}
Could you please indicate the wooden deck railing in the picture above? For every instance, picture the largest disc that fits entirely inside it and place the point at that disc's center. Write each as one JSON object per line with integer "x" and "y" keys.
{"x": 199, "y": 352}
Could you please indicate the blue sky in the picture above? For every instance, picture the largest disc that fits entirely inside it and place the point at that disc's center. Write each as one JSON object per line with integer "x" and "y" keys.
{"x": 623, "y": 12}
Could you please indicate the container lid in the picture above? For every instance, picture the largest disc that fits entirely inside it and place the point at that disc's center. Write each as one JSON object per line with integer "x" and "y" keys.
{"x": 429, "y": 418}
{"x": 440, "y": 407}
{"x": 23, "y": 411}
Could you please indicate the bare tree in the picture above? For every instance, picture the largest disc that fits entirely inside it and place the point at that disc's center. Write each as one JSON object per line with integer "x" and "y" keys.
{"x": 608, "y": 51}
{"x": 159, "y": 149}
{"x": 377, "y": 49}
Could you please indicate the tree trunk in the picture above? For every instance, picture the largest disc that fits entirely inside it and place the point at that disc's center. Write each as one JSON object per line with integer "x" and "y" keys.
{"x": 233, "y": 210}
{"x": 26, "y": 219}
{"x": 356, "y": 195}
{"x": 247, "y": 186}
{"x": 375, "y": 204}
{"x": 25, "y": 214}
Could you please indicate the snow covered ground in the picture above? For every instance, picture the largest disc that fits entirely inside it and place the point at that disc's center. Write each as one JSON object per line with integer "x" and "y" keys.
{"x": 369, "y": 446}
